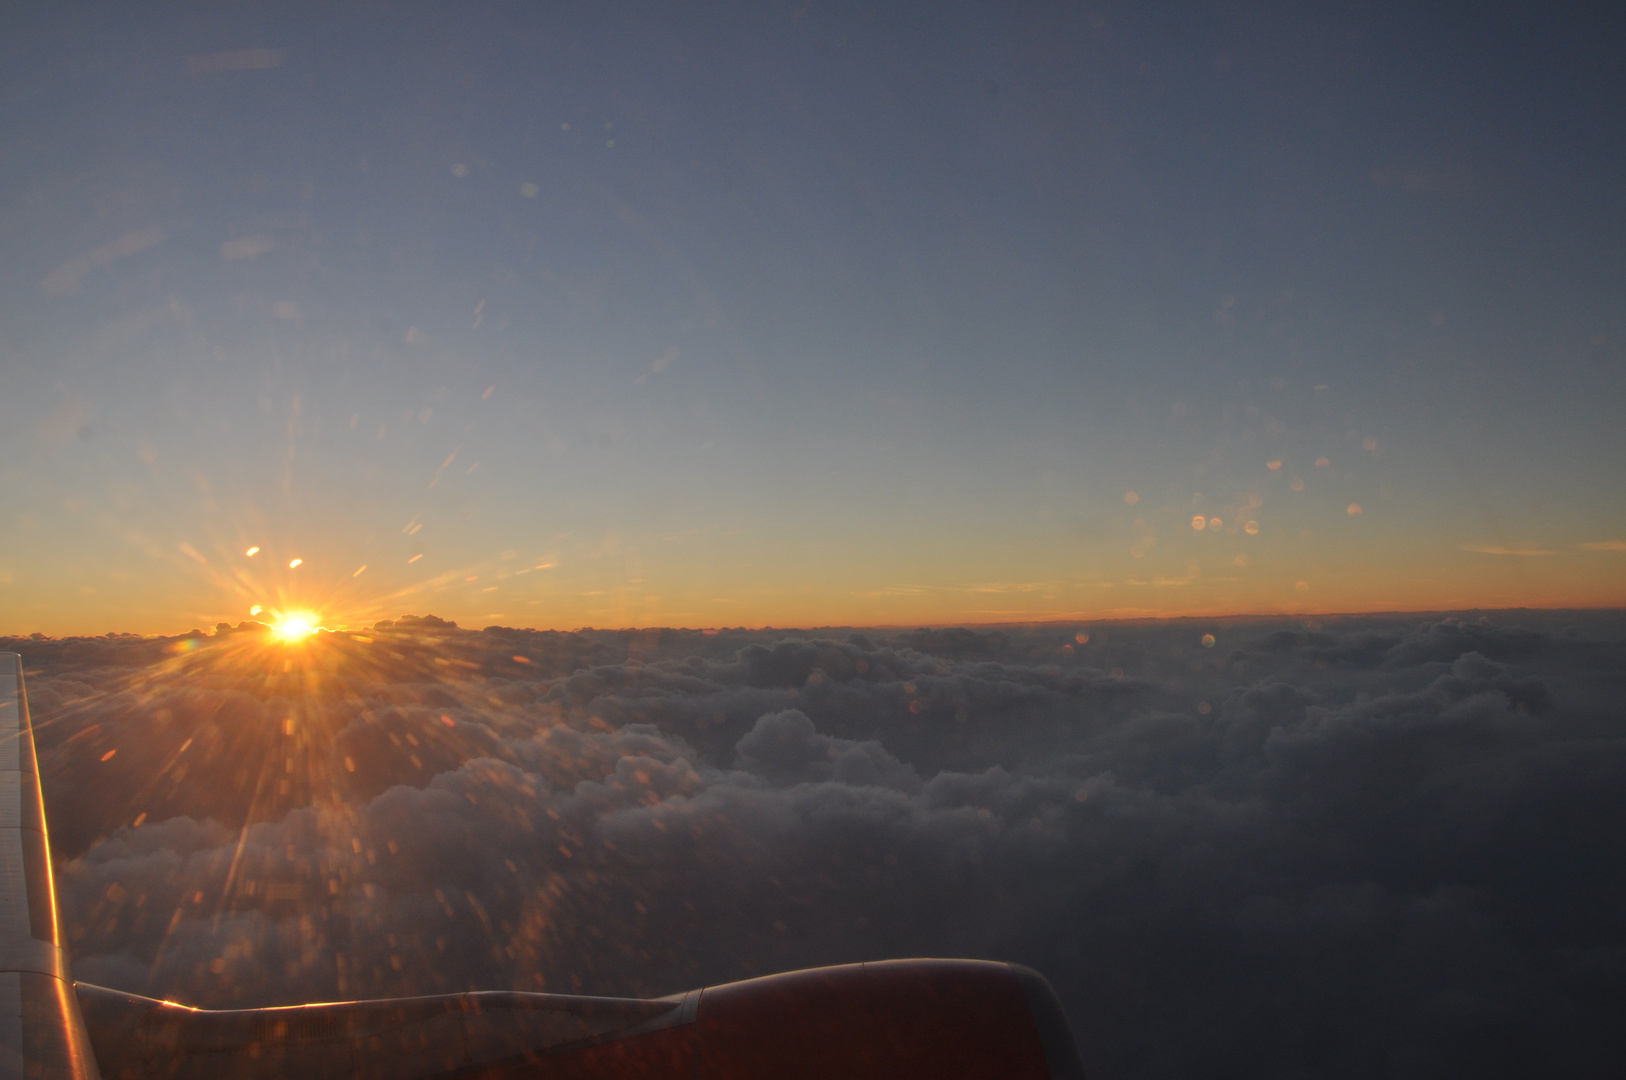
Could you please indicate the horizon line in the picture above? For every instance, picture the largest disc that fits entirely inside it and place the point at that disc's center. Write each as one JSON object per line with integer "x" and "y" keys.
{"x": 876, "y": 627}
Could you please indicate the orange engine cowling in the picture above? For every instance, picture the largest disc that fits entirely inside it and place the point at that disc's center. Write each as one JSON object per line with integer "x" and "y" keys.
{"x": 944, "y": 1019}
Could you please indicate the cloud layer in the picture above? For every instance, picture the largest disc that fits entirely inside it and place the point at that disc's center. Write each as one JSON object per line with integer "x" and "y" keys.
{"x": 1366, "y": 845}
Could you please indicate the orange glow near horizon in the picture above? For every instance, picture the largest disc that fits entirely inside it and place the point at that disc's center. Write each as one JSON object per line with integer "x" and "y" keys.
{"x": 1228, "y": 559}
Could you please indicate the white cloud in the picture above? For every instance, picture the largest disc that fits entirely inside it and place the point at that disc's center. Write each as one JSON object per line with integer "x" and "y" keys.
{"x": 1381, "y": 822}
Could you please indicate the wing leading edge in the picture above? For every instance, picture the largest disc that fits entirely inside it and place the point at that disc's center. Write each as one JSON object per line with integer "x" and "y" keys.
{"x": 41, "y": 1031}
{"x": 391, "y": 1039}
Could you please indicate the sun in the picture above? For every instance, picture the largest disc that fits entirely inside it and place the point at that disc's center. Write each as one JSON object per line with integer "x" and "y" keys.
{"x": 294, "y": 626}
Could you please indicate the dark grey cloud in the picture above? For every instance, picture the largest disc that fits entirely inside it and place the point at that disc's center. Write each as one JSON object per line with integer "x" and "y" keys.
{"x": 1388, "y": 846}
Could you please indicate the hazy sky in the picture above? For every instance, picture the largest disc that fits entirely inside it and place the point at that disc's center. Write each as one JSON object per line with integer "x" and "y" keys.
{"x": 780, "y": 314}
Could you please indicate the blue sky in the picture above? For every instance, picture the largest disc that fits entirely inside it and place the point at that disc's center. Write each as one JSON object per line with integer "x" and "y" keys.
{"x": 798, "y": 315}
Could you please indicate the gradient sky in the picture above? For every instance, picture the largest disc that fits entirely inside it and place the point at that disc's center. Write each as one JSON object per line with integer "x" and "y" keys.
{"x": 806, "y": 314}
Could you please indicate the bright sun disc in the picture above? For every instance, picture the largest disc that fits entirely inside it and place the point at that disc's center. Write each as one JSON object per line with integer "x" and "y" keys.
{"x": 295, "y": 626}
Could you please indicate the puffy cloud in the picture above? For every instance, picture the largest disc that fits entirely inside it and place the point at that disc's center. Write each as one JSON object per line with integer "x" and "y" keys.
{"x": 784, "y": 748}
{"x": 1386, "y": 844}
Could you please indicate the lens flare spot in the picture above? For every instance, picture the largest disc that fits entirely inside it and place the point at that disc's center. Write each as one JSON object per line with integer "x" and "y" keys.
{"x": 251, "y": 552}
{"x": 1354, "y": 509}
{"x": 255, "y": 610}
{"x": 1131, "y": 498}
{"x": 293, "y": 563}
{"x": 1215, "y": 523}
{"x": 1082, "y": 638}
{"x": 1199, "y": 522}
{"x": 1208, "y": 641}
{"x": 1273, "y": 466}
{"x": 1251, "y": 528}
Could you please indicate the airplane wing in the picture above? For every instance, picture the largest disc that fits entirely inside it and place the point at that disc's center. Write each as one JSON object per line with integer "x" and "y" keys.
{"x": 41, "y": 1031}
{"x": 398, "y": 1039}
{"x": 896, "y": 1018}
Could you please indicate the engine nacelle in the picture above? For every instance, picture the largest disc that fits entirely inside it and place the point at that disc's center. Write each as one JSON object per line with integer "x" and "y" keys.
{"x": 944, "y": 1019}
